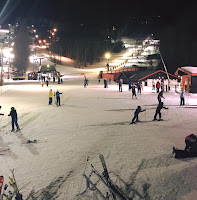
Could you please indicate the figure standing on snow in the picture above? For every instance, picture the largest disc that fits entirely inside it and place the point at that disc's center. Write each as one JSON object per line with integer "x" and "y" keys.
{"x": 120, "y": 85}
{"x": 133, "y": 91}
{"x": 158, "y": 111}
{"x": 138, "y": 87}
{"x": 160, "y": 95}
{"x": 182, "y": 98}
{"x": 13, "y": 115}
{"x": 153, "y": 85}
{"x": 50, "y": 97}
{"x": 58, "y": 97}
{"x": 130, "y": 84}
{"x": 105, "y": 83}
{"x": 136, "y": 113}
{"x": 158, "y": 86}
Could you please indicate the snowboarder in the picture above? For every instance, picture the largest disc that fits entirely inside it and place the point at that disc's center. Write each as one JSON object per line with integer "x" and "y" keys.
{"x": 182, "y": 97}
{"x": 58, "y": 97}
{"x": 120, "y": 85}
{"x": 133, "y": 91}
{"x": 13, "y": 114}
{"x": 158, "y": 86}
{"x": 160, "y": 95}
{"x": 136, "y": 113}
{"x": 158, "y": 111}
{"x": 50, "y": 97}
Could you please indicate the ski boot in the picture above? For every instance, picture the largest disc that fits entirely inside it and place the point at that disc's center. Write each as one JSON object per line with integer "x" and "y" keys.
{"x": 12, "y": 130}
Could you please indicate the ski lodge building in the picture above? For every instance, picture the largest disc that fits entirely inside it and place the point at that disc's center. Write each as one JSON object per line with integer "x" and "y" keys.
{"x": 188, "y": 77}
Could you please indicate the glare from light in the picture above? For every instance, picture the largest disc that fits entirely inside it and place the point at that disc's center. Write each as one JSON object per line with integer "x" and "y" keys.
{"x": 107, "y": 55}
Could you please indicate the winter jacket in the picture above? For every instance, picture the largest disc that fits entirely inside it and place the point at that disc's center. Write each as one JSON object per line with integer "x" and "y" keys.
{"x": 13, "y": 114}
{"x": 58, "y": 94}
{"x": 158, "y": 85}
{"x": 50, "y": 94}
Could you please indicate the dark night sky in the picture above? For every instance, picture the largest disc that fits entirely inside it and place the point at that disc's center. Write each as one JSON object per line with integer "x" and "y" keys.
{"x": 92, "y": 12}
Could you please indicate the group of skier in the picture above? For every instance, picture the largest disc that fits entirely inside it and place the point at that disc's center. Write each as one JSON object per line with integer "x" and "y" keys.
{"x": 157, "y": 112}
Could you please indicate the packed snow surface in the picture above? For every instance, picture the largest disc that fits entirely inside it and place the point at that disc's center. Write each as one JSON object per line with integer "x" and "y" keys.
{"x": 92, "y": 121}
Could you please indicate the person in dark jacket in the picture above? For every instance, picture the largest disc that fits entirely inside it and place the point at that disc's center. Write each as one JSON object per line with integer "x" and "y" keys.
{"x": 58, "y": 97}
{"x": 191, "y": 152}
{"x": 188, "y": 141}
{"x": 120, "y": 85}
{"x": 158, "y": 111}
{"x": 160, "y": 95}
{"x": 133, "y": 91}
{"x": 13, "y": 115}
{"x": 136, "y": 113}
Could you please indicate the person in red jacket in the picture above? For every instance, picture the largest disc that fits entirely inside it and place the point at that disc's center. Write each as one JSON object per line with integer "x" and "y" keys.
{"x": 158, "y": 85}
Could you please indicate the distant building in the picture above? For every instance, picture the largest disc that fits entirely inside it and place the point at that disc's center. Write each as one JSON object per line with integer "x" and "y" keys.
{"x": 188, "y": 78}
{"x": 48, "y": 70}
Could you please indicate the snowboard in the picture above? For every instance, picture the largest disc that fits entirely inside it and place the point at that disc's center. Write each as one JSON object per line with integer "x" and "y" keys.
{"x": 1, "y": 183}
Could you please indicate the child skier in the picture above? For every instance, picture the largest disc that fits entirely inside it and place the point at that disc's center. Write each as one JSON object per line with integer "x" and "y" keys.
{"x": 158, "y": 111}
{"x": 136, "y": 113}
{"x": 13, "y": 114}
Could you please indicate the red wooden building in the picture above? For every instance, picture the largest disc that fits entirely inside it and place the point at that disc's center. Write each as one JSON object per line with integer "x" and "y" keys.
{"x": 188, "y": 78}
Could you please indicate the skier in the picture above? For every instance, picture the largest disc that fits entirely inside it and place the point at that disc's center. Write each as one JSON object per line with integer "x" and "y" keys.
{"x": 105, "y": 83}
{"x": 182, "y": 97}
{"x": 13, "y": 114}
{"x": 50, "y": 97}
{"x": 130, "y": 84}
{"x": 136, "y": 113}
{"x": 160, "y": 95}
{"x": 158, "y": 86}
{"x": 158, "y": 111}
{"x": 133, "y": 91}
{"x": 120, "y": 86}
{"x": 47, "y": 82}
{"x": 58, "y": 97}
{"x": 138, "y": 88}
{"x": 85, "y": 82}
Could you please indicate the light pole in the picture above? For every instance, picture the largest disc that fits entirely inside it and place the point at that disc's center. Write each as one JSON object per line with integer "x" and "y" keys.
{"x": 107, "y": 56}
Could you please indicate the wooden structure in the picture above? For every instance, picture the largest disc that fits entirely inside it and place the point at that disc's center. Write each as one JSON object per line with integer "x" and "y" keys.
{"x": 188, "y": 77}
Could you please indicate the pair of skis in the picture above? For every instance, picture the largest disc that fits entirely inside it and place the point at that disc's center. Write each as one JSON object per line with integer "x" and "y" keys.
{"x": 115, "y": 192}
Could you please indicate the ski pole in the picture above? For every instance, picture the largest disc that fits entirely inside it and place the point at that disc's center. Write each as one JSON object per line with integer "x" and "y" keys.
{"x": 24, "y": 186}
